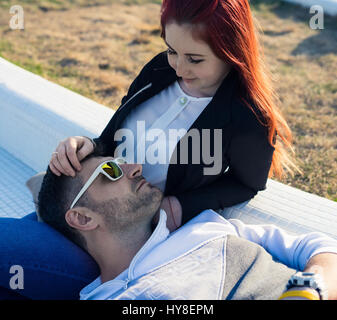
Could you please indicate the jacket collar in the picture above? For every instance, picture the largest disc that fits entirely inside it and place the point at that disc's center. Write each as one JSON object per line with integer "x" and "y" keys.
{"x": 160, "y": 75}
{"x": 97, "y": 290}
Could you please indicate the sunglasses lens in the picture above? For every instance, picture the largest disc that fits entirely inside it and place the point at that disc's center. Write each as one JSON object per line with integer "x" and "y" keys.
{"x": 112, "y": 169}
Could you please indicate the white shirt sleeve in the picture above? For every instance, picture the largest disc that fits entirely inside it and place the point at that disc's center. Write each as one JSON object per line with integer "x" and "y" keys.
{"x": 293, "y": 250}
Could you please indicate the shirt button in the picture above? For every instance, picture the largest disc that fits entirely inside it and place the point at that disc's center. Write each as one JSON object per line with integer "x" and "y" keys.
{"x": 183, "y": 100}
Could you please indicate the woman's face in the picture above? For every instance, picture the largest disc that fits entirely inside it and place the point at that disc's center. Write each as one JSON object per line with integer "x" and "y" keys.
{"x": 193, "y": 60}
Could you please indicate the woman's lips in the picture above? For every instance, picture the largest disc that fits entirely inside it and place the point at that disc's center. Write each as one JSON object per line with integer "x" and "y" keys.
{"x": 188, "y": 80}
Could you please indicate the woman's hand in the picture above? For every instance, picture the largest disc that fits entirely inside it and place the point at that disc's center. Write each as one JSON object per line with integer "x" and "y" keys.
{"x": 68, "y": 154}
{"x": 172, "y": 207}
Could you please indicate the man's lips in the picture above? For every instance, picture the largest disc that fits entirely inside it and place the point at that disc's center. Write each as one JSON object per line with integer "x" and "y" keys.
{"x": 141, "y": 183}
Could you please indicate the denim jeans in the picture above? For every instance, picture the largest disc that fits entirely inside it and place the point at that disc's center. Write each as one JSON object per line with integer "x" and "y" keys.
{"x": 49, "y": 265}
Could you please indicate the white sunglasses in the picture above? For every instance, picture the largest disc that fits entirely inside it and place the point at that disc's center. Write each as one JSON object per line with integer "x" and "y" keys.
{"x": 110, "y": 168}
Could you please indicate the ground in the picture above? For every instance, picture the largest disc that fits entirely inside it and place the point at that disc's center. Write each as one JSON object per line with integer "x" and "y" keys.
{"x": 96, "y": 48}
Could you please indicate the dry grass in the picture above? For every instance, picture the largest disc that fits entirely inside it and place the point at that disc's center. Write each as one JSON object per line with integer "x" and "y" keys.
{"x": 304, "y": 63}
{"x": 97, "y": 48}
{"x": 96, "y": 51}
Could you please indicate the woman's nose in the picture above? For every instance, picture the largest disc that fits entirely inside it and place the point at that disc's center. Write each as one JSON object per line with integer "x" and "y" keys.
{"x": 180, "y": 69}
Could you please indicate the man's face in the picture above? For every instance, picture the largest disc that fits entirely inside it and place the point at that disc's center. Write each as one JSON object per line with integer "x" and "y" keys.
{"x": 129, "y": 200}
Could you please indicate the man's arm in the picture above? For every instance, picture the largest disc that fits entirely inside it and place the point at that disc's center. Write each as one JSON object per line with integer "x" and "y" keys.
{"x": 325, "y": 264}
{"x": 294, "y": 251}
{"x": 312, "y": 252}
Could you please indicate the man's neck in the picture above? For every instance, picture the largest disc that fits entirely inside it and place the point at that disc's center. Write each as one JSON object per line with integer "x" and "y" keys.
{"x": 114, "y": 252}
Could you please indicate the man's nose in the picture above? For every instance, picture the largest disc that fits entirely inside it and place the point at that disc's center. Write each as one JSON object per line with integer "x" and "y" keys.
{"x": 132, "y": 170}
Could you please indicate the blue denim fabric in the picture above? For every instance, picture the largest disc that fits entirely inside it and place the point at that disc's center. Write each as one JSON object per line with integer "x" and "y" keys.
{"x": 53, "y": 266}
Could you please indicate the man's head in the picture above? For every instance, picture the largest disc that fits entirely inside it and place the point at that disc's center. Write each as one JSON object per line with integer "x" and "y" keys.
{"x": 116, "y": 207}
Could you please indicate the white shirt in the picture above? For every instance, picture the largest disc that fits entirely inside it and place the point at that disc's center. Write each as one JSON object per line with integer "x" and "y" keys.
{"x": 162, "y": 247}
{"x": 154, "y": 129}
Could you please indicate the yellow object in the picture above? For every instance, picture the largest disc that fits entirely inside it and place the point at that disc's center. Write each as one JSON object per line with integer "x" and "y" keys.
{"x": 299, "y": 293}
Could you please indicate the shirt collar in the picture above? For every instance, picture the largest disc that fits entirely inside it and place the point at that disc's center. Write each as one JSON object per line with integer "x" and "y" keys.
{"x": 98, "y": 291}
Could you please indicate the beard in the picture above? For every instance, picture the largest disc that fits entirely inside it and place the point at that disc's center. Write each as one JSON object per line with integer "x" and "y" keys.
{"x": 124, "y": 213}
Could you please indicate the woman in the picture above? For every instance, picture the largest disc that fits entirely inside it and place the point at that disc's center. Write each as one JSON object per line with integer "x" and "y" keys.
{"x": 213, "y": 68}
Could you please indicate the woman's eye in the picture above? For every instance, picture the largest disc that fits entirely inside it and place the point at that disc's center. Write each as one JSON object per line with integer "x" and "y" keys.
{"x": 195, "y": 61}
{"x": 169, "y": 51}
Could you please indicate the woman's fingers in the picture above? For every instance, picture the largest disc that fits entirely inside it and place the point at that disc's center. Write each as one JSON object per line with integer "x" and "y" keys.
{"x": 54, "y": 170}
{"x": 59, "y": 163}
{"x": 62, "y": 157}
{"x": 71, "y": 148}
{"x": 66, "y": 159}
{"x": 55, "y": 165}
{"x": 86, "y": 147}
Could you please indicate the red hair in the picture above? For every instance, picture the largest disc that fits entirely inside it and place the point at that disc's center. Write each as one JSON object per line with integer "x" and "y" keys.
{"x": 227, "y": 26}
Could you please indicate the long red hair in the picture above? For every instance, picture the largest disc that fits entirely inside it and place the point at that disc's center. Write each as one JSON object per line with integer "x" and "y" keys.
{"x": 227, "y": 26}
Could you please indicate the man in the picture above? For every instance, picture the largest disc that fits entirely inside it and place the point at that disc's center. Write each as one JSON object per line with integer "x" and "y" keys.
{"x": 108, "y": 209}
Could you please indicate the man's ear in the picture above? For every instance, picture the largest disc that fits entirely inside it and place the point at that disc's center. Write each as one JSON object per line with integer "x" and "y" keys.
{"x": 81, "y": 219}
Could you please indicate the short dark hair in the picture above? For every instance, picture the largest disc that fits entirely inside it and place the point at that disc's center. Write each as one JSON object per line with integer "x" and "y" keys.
{"x": 54, "y": 200}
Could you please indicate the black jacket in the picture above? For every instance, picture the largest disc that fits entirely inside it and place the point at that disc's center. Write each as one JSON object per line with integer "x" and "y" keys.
{"x": 245, "y": 147}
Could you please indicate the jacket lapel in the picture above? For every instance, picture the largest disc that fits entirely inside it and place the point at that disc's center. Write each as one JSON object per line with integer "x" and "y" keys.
{"x": 215, "y": 116}
{"x": 161, "y": 76}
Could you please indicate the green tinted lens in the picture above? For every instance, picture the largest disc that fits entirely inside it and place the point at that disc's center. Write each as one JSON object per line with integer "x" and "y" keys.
{"x": 112, "y": 169}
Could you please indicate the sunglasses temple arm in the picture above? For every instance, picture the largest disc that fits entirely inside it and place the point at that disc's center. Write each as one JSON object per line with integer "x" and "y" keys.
{"x": 86, "y": 186}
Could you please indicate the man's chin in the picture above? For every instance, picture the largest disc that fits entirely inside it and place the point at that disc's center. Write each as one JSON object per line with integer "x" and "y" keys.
{"x": 156, "y": 198}
{"x": 152, "y": 188}
{"x": 157, "y": 193}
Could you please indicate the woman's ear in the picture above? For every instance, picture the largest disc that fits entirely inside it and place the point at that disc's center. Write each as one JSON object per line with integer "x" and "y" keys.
{"x": 81, "y": 219}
